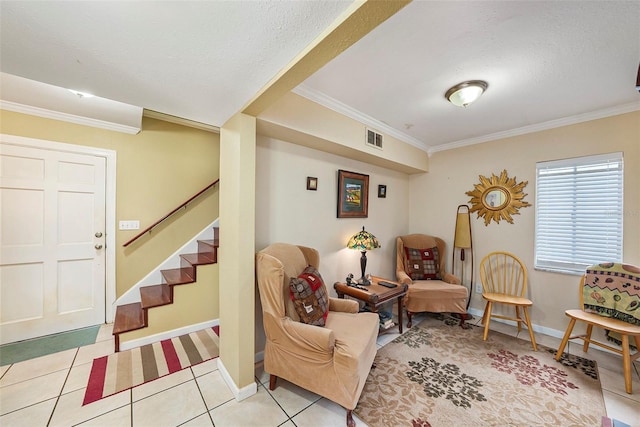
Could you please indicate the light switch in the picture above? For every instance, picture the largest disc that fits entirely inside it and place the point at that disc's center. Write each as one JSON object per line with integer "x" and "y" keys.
{"x": 129, "y": 225}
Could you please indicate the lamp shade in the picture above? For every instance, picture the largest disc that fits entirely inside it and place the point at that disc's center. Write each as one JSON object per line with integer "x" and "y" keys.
{"x": 463, "y": 231}
{"x": 363, "y": 241}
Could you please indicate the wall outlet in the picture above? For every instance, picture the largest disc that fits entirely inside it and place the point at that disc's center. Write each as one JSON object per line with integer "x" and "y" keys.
{"x": 129, "y": 225}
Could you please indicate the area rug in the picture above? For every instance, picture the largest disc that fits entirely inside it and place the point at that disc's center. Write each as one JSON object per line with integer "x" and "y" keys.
{"x": 37, "y": 347}
{"x": 439, "y": 374}
{"x": 126, "y": 369}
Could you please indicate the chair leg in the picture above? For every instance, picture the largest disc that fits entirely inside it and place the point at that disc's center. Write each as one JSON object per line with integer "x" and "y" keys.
{"x": 565, "y": 339}
{"x": 487, "y": 317}
{"x": 519, "y": 319}
{"x": 409, "y": 319}
{"x": 530, "y": 328}
{"x": 626, "y": 363}
{"x": 587, "y": 338}
{"x": 463, "y": 317}
{"x": 272, "y": 382}
{"x": 484, "y": 314}
{"x": 350, "y": 421}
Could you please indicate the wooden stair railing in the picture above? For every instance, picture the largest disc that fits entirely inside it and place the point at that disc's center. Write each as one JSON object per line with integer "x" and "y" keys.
{"x": 182, "y": 205}
{"x": 130, "y": 317}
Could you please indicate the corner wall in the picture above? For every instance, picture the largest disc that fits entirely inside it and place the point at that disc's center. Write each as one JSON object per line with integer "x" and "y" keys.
{"x": 454, "y": 172}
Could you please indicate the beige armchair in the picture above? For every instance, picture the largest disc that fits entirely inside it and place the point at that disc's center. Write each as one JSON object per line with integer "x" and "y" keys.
{"x": 436, "y": 296}
{"x": 332, "y": 361}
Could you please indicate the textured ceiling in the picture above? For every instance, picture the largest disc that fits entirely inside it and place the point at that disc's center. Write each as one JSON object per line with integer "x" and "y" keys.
{"x": 200, "y": 60}
{"x": 545, "y": 62}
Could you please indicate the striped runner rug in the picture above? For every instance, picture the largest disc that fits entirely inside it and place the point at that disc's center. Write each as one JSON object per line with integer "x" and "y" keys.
{"x": 127, "y": 369}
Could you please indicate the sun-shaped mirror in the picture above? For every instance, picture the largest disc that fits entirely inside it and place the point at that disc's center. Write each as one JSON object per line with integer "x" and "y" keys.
{"x": 498, "y": 197}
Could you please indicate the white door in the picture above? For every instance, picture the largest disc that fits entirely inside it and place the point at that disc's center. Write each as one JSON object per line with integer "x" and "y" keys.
{"x": 52, "y": 257}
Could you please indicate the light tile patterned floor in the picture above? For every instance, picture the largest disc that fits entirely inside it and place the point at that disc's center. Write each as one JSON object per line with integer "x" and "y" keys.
{"x": 48, "y": 391}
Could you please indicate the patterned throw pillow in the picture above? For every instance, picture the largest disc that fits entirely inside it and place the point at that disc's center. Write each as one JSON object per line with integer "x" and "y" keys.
{"x": 423, "y": 264}
{"x": 309, "y": 297}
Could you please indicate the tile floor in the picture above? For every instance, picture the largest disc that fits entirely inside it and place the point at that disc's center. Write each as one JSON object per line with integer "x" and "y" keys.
{"x": 48, "y": 391}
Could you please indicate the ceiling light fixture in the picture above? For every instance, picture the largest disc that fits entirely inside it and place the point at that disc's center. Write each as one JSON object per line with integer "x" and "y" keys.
{"x": 465, "y": 93}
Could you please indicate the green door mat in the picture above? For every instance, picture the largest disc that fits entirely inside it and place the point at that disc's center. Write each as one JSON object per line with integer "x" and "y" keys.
{"x": 36, "y": 347}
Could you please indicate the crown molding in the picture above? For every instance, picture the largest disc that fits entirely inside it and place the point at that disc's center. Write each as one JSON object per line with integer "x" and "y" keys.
{"x": 180, "y": 121}
{"x": 339, "y": 107}
{"x": 65, "y": 117}
{"x": 551, "y": 124}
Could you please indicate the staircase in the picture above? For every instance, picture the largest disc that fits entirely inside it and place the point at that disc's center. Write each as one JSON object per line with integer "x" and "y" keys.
{"x": 130, "y": 317}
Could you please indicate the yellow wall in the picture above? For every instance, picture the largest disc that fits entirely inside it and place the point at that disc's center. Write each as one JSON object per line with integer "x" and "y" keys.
{"x": 157, "y": 169}
{"x": 454, "y": 172}
{"x": 237, "y": 243}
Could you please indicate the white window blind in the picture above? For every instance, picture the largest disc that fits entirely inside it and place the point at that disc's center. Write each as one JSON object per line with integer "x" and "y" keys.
{"x": 579, "y": 212}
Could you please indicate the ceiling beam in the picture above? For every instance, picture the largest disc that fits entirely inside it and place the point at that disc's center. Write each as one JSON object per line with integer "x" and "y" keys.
{"x": 360, "y": 18}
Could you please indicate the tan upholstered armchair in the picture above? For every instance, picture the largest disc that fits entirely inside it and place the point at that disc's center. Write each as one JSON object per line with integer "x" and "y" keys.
{"x": 436, "y": 296}
{"x": 332, "y": 361}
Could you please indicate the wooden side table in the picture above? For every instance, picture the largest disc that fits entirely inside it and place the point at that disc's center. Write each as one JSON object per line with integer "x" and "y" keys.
{"x": 375, "y": 295}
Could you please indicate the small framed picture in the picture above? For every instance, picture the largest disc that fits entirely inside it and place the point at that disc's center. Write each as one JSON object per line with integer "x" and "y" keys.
{"x": 312, "y": 183}
{"x": 353, "y": 195}
{"x": 382, "y": 191}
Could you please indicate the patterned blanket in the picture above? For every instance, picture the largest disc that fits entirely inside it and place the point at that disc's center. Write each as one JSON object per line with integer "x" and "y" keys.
{"x": 613, "y": 290}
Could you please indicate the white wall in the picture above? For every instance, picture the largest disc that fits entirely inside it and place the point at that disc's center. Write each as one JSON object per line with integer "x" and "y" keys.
{"x": 287, "y": 212}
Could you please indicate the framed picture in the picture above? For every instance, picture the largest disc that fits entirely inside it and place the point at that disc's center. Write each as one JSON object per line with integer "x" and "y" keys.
{"x": 382, "y": 191}
{"x": 353, "y": 195}
{"x": 312, "y": 183}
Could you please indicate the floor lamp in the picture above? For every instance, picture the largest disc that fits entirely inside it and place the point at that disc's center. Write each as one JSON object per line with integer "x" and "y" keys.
{"x": 461, "y": 241}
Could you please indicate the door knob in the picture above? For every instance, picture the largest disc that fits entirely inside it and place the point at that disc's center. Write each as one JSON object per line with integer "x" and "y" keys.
{"x": 98, "y": 234}
{"x": 98, "y": 246}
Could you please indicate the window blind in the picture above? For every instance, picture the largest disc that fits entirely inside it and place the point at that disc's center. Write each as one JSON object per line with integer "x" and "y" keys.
{"x": 579, "y": 210}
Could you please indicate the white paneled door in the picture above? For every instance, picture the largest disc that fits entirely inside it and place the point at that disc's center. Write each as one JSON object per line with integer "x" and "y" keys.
{"x": 52, "y": 257}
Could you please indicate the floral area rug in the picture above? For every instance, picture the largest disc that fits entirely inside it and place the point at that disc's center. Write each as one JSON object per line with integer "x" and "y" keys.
{"x": 439, "y": 374}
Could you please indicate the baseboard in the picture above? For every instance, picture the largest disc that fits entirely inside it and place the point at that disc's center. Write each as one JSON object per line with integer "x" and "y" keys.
{"x": 259, "y": 356}
{"x": 536, "y": 328}
{"x": 239, "y": 393}
{"x": 542, "y": 330}
{"x": 128, "y": 345}
{"x": 154, "y": 277}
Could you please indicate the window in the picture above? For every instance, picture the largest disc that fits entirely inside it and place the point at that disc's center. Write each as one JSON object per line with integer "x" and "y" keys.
{"x": 578, "y": 212}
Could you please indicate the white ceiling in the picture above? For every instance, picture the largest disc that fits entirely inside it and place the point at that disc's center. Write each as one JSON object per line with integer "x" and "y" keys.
{"x": 200, "y": 60}
{"x": 547, "y": 63}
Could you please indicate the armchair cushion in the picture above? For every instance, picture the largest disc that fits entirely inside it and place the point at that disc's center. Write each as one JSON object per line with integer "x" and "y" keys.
{"x": 343, "y": 305}
{"x": 309, "y": 296}
{"x": 423, "y": 264}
